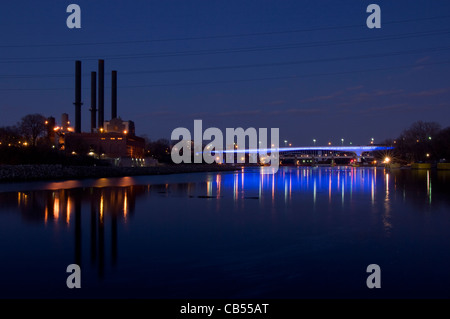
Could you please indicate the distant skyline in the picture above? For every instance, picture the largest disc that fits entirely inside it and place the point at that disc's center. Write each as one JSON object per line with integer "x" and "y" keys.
{"x": 313, "y": 69}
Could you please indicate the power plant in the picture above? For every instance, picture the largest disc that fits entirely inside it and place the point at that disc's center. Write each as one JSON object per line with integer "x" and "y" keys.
{"x": 112, "y": 140}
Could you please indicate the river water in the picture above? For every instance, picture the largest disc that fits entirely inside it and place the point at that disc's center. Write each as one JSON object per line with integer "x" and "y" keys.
{"x": 301, "y": 233}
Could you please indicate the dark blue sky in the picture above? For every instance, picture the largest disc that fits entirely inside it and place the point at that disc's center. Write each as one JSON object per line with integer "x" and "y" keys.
{"x": 311, "y": 68}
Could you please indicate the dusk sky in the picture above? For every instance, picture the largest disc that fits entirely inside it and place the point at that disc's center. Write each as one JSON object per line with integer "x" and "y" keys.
{"x": 311, "y": 68}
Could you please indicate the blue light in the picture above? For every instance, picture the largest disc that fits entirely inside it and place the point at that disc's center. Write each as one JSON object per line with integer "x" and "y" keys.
{"x": 356, "y": 149}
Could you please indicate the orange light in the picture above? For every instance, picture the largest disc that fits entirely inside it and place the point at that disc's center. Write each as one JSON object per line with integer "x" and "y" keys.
{"x": 101, "y": 209}
{"x": 56, "y": 208}
{"x": 125, "y": 132}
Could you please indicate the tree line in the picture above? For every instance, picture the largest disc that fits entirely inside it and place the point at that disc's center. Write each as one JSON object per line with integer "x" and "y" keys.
{"x": 28, "y": 131}
{"x": 421, "y": 142}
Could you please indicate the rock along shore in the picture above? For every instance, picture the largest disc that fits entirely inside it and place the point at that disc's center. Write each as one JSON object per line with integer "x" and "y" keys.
{"x": 13, "y": 173}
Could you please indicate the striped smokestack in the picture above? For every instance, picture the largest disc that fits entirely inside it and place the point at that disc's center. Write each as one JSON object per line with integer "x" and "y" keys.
{"x": 113, "y": 94}
{"x": 101, "y": 93}
{"x": 93, "y": 100}
{"x": 77, "y": 97}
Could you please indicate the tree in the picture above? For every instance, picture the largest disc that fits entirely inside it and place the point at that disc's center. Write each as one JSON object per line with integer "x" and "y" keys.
{"x": 32, "y": 126}
{"x": 159, "y": 150}
{"x": 442, "y": 145}
{"x": 417, "y": 141}
{"x": 9, "y": 135}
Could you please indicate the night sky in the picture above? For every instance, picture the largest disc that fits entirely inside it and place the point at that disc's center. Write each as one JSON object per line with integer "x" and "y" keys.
{"x": 311, "y": 68}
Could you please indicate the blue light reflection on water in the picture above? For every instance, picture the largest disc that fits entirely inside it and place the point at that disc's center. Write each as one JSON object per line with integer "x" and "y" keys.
{"x": 304, "y": 232}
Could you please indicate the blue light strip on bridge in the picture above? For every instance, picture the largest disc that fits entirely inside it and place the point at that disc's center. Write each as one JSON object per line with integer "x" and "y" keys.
{"x": 355, "y": 149}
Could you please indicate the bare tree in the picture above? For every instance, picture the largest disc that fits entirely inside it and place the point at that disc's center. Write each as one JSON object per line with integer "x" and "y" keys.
{"x": 9, "y": 135}
{"x": 417, "y": 141}
{"x": 159, "y": 149}
{"x": 32, "y": 126}
{"x": 443, "y": 145}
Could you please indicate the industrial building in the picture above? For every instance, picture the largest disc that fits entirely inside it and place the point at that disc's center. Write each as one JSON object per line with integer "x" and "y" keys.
{"x": 114, "y": 140}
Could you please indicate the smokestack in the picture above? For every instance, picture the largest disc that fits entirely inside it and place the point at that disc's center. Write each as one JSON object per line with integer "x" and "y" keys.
{"x": 113, "y": 94}
{"x": 65, "y": 121}
{"x": 101, "y": 93}
{"x": 78, "y": 97}
{"x": 93, "y": 100}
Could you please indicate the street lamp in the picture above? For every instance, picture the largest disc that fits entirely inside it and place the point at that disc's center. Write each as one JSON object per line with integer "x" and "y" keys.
{"x": 314, "y": 140}
{"x": 342, "y": 141}
{"x": 371, "y": 142}
{"x": 285, "y": 142}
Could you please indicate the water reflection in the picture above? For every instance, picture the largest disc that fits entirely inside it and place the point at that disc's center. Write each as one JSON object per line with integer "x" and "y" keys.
{"x": 93, "y": 213}
{"x": 60, "y": 205}
{"x": 387, "y": 207}
{"x": 65, "y": 207}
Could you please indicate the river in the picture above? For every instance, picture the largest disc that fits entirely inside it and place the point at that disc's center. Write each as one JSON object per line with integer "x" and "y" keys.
{"x": 301, "y": 233}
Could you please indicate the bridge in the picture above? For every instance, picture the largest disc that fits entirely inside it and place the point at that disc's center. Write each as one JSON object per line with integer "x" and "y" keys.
{"x": 316, "y": 153}
{"x": 309, "y": 154}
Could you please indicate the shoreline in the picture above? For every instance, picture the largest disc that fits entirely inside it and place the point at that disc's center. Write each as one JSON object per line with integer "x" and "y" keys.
{"x": 28, "y": 173}
{"x": 48, "y": 172}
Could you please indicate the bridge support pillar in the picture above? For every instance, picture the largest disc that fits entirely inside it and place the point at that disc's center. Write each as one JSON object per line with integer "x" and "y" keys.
{"x": 358, "y": 157}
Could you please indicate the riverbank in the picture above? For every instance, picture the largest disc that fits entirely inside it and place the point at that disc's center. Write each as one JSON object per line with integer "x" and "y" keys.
{"x": 20, "y": 173}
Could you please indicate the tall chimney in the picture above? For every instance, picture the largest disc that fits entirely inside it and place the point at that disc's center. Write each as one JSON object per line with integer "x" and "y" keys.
{"x": 93, "y": 100}
{"x": 78, "y": 97}
{"x": 101, "y": 93}
{"x": 113, "y": 94}
{"x": 65, "y": 121}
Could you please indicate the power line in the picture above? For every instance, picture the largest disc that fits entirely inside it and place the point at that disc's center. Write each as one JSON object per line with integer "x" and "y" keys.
{"x": 246, "y": 80}
{"x": 256, "y": 65}
{"x": 233, "y": 50}
{"x": 216, "y": 36}
{"x": 242, "y": 66}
